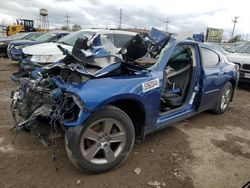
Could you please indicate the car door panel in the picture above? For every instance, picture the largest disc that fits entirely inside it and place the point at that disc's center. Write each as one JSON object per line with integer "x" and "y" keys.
{"x": 188, "y": 108}
{"x": 212, "y": 80}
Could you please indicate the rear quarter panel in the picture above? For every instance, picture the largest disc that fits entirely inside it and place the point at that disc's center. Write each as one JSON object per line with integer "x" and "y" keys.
{"x": 214, "y": 79}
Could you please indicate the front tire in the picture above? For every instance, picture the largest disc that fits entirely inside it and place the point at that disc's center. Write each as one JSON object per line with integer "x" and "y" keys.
{"x": 103, "y": 142}
{"x": 224, "y": 99}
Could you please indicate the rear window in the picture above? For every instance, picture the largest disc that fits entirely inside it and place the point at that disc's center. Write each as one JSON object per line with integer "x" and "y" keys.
{"x": 209, "y": 58}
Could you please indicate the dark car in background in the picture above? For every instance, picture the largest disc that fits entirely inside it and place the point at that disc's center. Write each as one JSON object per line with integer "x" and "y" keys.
{"x": 14, "y": 49}
{"x": 4, "y": 42}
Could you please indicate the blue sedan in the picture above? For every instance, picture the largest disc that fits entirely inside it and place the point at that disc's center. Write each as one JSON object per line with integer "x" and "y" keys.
{"x": 160, "y": 81}
{"x": 14, "y": 49}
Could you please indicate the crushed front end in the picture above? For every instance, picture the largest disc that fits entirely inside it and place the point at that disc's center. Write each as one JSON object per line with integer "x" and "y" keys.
{"x": 35, "y": 103}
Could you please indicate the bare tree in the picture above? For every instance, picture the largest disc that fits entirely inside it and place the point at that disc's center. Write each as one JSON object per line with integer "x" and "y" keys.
{"x": 76, "y": 27}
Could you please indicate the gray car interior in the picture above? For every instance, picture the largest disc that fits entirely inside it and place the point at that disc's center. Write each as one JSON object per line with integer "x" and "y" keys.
{"x": 178, "y": 74}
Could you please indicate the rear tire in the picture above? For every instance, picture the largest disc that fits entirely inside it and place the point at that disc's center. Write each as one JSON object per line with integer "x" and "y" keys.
{"x": 103, "y": 142}
{"x": 224, "y": 99}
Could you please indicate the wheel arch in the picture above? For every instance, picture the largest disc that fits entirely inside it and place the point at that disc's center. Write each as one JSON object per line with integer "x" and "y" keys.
{"x": 136, "y": 112}
{"x": 233, "y": 82}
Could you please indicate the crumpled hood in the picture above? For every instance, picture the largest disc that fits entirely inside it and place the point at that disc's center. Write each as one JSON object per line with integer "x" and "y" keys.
{"x": 241, "y": 58}
{"x": 49, "y": 48}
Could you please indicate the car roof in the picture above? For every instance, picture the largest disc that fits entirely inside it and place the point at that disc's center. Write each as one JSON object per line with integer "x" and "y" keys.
{"x": 213, "y": 48}
{"x": 216, "y": 46}
{"x": 58, "y": 31}
{"x": 109, "y": 31}
{"x": 205, "y": 45}
{"x": 29, "y": 32}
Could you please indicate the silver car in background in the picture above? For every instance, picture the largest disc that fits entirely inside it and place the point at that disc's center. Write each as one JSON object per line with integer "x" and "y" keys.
{"x": 242, "y": 58}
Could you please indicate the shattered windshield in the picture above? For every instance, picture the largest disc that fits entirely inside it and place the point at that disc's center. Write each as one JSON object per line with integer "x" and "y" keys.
{"x": 161, "y": 56}
{"x": 71, "y": 38}
{"x": 145, "y": 50}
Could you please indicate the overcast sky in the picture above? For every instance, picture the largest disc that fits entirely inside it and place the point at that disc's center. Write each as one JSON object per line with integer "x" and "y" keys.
{"x": 184, "y": 15}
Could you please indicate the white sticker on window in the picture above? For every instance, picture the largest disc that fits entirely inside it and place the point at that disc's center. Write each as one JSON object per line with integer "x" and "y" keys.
{"x": 152, "y": 84}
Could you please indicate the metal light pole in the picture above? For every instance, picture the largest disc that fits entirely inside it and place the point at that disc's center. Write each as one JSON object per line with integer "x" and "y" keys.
{"x": 67, "y": 21}
{"x": 120, "y": 19}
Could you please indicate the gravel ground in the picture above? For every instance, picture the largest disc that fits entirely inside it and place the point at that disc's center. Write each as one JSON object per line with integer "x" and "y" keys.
{"x": 204, "y": 151}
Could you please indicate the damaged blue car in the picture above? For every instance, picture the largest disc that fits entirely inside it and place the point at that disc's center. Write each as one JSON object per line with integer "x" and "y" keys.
{"x": 103, "y": 104}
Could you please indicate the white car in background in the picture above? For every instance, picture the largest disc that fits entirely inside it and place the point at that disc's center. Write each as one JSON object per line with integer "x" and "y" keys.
{"x": 242, "y": 58}
{"x": 46, "y": 53}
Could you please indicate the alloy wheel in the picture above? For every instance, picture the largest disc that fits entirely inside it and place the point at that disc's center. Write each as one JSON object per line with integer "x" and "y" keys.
{"x": 225, "y": 100}
{"x": 103, "y": 141}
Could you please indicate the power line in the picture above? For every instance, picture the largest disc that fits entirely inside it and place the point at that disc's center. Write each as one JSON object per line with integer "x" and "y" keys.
{"x": 234, "y": 21}
{"x": 167, "y": 22}
{"x": 67, "y": 20}
{"x": 120, "y": 19}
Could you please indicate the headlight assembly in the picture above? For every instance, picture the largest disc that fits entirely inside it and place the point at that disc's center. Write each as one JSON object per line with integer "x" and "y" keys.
{"x": 2, "y": 43}
{"x": 41, "y": 58}
{"x": 79, "y": 102}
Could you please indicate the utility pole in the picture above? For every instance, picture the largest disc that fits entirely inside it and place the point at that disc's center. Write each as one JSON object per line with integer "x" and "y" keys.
{"x": 120, "y": 19}
{"x": 167, "y": 22}
{"x": 67, "y": 21}
{"x": 234, "y": 21}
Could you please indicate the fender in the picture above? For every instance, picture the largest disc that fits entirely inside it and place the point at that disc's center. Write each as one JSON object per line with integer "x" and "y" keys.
{"x": 97, "y": 93}
{"x": 84, "y": 115}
